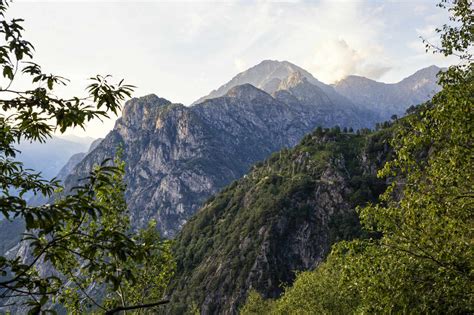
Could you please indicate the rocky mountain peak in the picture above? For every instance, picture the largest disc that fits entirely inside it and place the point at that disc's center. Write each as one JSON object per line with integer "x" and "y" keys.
{"x": 149, "y": 99}
{"x": 293, "y": 80}
{"x": 426, "y": 72}
{"x": 354, "y": 79}
{"x": 267, "y": 76}
{"x": 390, "y": 98}
{"x": 246, "y": 92}
{"x": 425, "y": 77}
{"x": 137, "y": 109}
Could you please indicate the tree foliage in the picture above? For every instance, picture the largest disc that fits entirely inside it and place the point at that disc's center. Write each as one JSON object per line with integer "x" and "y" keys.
{"x": 84, "y": 233}
{"x": 123, "y": 277}
{"x": 424, "y": 261}
{"x": 151, "y": 277}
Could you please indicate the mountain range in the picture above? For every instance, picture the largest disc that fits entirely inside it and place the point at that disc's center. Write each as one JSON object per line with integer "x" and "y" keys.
{"x": 67, "y": 168}
{"x": 178, "y": 156}
{"x": 382, "y": 99}
{"x": 50, "y": 156}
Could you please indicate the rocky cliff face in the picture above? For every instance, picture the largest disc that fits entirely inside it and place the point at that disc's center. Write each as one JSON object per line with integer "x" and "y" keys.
{"x": 280, "y": 218}
{"x": 178, "y": 156}
{"x": 389, "y": 99}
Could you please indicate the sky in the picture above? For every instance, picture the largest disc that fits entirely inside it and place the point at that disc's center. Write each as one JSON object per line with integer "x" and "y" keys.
{"x": 181, "y": 50}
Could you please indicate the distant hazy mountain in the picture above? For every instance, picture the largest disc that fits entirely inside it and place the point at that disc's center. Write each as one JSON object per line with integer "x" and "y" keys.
{"x": 266, "y": 76}
{"x": 65, "y": 171}
{"x": 49, "y": 157}
{"x": 388, "y": 99}
{"x": 277, "y": 78}
{"x": 75, "y": 159}
{"x": 270, "y": 76}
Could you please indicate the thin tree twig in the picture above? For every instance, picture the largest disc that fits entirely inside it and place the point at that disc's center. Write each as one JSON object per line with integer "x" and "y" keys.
{"x": 134, "y": 307}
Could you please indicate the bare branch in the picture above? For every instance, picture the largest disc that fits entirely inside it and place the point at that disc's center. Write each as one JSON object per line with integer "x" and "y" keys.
{"x": 134, "y": 307}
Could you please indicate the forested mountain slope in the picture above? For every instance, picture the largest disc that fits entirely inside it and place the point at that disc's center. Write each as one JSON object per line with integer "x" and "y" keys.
{"x": 280, "y": 218}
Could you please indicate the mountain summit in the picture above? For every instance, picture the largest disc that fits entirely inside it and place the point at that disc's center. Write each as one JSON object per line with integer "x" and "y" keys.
{"x": 246, "y": 92}
{"x": 267, "y": 76}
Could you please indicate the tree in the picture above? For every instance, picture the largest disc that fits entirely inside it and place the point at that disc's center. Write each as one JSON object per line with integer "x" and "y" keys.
{"x": 256, "y": 305}
{"x": 59, "y": 232}
{"x": 128, "y": 281}
{"x": 426, "y": 217}
{"x": 423, "y": 263}
{"x": 151, "y": 277}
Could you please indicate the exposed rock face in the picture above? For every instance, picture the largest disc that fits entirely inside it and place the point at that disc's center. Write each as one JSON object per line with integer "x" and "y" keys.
{"x": 389, "y": 99}
{"x": 280, "y": 218}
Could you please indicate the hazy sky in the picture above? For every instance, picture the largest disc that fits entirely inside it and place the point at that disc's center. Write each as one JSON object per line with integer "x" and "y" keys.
{"x": 181, "y": 50}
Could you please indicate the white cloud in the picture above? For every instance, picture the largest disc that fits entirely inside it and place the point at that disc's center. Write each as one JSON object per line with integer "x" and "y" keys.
{"x": 335, "y": 59}
{"x": 420, "y": 8}
{"x": 240, "y": 65}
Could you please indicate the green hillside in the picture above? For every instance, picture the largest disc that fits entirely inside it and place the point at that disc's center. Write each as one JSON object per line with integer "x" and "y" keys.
{"x": 279, "y": 219}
